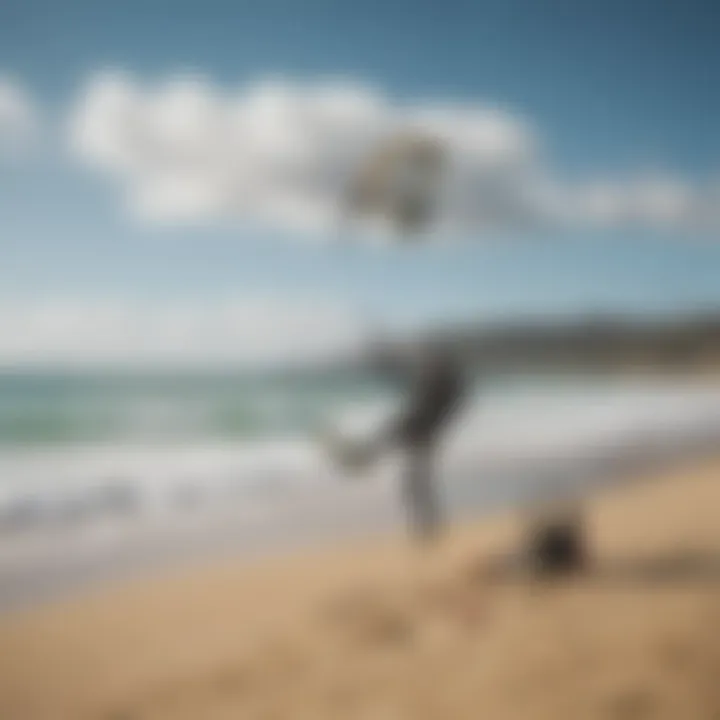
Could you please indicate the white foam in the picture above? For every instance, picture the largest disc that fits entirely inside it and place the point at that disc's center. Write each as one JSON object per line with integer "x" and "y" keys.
{"x": 76, "y": 485}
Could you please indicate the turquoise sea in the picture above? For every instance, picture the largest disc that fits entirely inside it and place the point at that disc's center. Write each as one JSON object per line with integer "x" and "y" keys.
{"x": 80, "y": 445}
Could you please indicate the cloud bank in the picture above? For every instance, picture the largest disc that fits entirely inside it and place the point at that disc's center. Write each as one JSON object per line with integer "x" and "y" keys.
{"x": 19, "y": 119}
{"x": 238, "y": 331}
{"x": 282, "y": 154}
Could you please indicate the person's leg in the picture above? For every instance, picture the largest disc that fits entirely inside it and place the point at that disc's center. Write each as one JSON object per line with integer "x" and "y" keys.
{"x": 420, "y": 494}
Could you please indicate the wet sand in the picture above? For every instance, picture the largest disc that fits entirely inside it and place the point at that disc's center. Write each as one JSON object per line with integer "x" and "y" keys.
{"x": 374, "y": 629}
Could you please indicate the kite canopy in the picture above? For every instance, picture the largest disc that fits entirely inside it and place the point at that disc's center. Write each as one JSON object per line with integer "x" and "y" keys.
{"x": 399, "y": 183}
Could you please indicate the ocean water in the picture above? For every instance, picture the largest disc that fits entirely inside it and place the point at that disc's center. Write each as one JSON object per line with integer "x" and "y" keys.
{"x": 52, "y": 409}
{"x": 78, "y": 450}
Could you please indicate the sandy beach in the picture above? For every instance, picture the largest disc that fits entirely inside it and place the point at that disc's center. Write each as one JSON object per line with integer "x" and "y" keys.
{"x": 373, "y": 629}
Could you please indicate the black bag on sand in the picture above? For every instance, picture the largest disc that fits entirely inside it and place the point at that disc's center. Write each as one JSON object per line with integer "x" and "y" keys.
{"x": 555, "y": 545}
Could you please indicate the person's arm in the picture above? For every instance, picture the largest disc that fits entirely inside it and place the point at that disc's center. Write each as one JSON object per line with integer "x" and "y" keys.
{"x": 402, "y": 425}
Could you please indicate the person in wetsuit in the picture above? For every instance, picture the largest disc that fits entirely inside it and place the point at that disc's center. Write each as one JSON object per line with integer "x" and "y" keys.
{"x": 436, "y": 392}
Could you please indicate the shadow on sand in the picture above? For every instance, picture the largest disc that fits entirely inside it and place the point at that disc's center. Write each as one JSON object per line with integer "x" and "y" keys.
{"x": 682, "y": 567}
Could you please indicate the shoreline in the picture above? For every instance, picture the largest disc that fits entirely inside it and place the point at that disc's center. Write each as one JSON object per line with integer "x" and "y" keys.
{"x": 351, "y": 628}
{"x": 62, "y": 566}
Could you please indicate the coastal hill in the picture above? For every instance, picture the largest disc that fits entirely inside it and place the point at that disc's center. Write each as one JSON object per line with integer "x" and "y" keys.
{"x": 592, "y": 343}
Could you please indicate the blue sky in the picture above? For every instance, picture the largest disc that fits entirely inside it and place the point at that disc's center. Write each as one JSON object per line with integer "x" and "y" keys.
{"x": 610, "y": 88}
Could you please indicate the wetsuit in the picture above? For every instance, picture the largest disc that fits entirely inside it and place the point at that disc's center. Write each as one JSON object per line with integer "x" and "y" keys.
{"x": 434, "y": 398}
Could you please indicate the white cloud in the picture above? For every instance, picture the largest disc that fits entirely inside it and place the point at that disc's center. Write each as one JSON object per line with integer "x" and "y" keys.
{"x": 651, "y": 200}
{"x": 18, "y": 118}
{"x": 282, "y": 153}
{"x": 251, "y": 331}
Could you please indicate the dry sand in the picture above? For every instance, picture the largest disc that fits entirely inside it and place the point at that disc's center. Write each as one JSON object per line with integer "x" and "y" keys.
{"x": 374, "y": 630}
